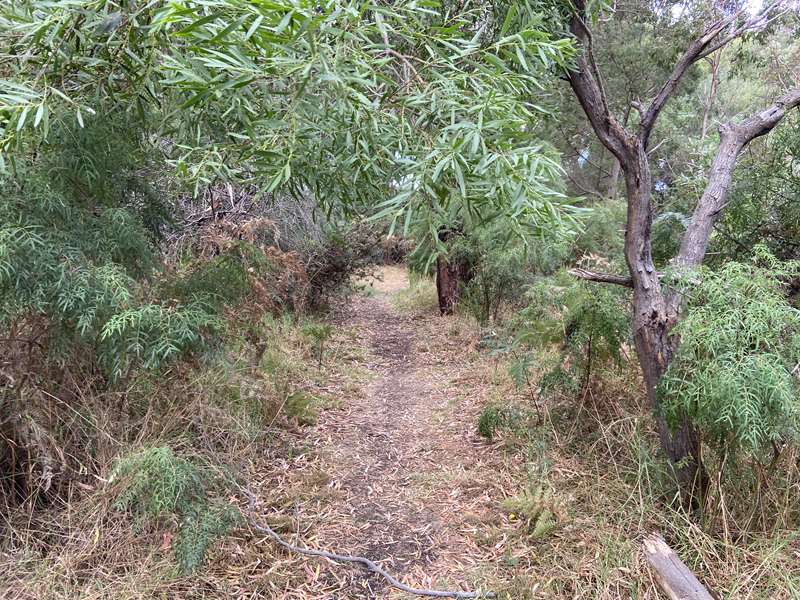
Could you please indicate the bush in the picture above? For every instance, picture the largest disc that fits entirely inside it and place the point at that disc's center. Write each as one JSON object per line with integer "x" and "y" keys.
{"x": 734, "y": 371}
{"x": 155, "y": 484}
{"x": 589, "y": 322}
{"x": 345, "y": 254}
{"x": 200, "y": 527}
{"x": 490, "y": 420}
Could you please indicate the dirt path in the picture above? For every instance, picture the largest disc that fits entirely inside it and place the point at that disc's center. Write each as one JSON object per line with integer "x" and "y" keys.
{"x": 399, "y": 474}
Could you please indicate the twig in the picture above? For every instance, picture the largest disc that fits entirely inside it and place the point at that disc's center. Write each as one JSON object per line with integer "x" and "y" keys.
{"x": 367, "y": 563}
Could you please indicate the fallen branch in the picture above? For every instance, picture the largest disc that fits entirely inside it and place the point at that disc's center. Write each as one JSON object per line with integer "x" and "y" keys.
{"x": 674, "y": 577}
{"x": 367, "y": 563}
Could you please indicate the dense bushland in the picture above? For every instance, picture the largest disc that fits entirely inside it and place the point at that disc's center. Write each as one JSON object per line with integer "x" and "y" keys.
{"x": 189, "y": 190}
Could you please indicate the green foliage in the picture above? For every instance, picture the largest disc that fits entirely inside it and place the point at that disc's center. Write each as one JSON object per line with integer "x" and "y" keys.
{"x": 152, "y": 335}
{"x": 495, "y": 417}
{"x": 590, "y": 322}
{"x": 222, "y": 281}
{"x": 318, "y": 334}
{"x": 740, "y": 344}
{"x": 490, "y": 420}
{"x": 203, "y": 525}
{"x": 343, "y": 99}
{"x": 303, "y": 407}
{"x": 559, "y": 380}
{"x": 343, "y": 254}
{"x": 156, "y": 484}
{"x": 603, "y": 232}
{"x": 500, "y": 266}
{"x": 69, "y": 275}
{"x": 763, "y": 207}
{"x": 534, "y": 508}
{"x": 667, "y": 231}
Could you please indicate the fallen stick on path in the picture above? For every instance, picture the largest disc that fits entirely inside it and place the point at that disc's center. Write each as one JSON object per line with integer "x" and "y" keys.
{"x": 370, "y": 566}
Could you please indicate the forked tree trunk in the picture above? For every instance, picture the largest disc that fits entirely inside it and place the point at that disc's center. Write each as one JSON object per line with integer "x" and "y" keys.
{"x": 655, "y": 311}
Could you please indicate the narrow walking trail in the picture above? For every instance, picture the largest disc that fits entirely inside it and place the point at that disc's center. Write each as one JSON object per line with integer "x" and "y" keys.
{"x": 398, "y": 473}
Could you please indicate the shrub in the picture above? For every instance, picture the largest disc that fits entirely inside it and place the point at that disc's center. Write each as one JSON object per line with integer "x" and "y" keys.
{"x": 590, "y": 323}
{"x": 302, "y": 406}
{"x": 734, "y": 371}
{"x": 534, "y": 507}
{"x": 490, "y": 420}
{"x": 345, "y": 254}
{"x": 200, "y": 527}
{"x": 500, "y": 260}
{"x": 494, "y": 417}
{"x": 156, "y": 484}
{"x": 318, "y": 334}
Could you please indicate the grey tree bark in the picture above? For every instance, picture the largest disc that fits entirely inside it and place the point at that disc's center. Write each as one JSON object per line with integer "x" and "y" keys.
{"x": 655, "y": 312}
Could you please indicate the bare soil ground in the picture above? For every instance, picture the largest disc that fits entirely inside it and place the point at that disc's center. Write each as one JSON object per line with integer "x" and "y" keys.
{"x": 399, "y": 474}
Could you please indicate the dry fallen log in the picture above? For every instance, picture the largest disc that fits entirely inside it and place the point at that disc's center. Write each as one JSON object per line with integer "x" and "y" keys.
{"x": 674, "y": 577}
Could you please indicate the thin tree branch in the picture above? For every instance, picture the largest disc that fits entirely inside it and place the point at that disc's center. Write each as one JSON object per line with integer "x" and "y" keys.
{"x": 758, "y": 23}
{"x": 587, "y": 85}
{"x": 370, "y": 565}
{"x": 602, "y": 277}
{"x": 708, "y": 43}
{"x": 689, "y": 57}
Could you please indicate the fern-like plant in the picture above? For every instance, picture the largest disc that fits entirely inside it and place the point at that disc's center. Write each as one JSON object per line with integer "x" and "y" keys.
{"x": 734, "y": 374}
{"x": 588, "y": 323}
{"x": 156, "y": 484}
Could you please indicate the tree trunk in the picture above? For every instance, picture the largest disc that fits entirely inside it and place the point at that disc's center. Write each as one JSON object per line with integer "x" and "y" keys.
{"x": 653, "y": 319}
{"x": 452, "y": 274}
{"x": 654, "y": 311}
{"x": 613, "y": 180}
{"x": 655, "y": 349}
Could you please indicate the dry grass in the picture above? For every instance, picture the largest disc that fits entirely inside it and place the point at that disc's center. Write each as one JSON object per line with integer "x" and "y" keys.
{"x": 393, "y": 469}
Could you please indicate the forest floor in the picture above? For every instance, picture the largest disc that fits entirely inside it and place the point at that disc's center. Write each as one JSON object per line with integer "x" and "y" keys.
{"x": 376, "y": 452}
{"x": 399, "y": 473}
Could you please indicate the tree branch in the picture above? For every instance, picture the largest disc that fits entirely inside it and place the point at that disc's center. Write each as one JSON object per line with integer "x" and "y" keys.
{"x": 708, "y": 43}
{"x": 756, "y": 23}
{"x": 602, "y": 277}
{"x": 587, "y": 86}
{"x": 689, "y": 57}
{"x": 733, "y": 138}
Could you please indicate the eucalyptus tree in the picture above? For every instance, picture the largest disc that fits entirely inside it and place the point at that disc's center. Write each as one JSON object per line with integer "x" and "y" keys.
{"x": 418, "y": 111}
{"x": 656, "y": 305}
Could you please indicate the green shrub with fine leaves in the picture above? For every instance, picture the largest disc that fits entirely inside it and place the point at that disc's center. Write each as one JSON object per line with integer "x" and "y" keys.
{"x": 734, "y": 374}
{"x": 156, "y": 484}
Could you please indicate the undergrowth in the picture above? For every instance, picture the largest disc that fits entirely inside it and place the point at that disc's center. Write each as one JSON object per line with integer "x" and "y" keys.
{"x": 155, "y": 485}
{"x": 155, "y": 498}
